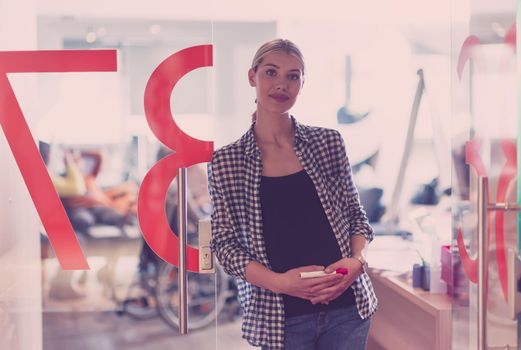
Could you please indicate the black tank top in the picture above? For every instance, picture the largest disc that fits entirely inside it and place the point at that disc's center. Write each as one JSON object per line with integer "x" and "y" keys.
{"x": 297, "y": 233}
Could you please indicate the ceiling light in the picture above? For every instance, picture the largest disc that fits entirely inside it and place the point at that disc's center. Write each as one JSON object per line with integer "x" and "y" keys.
{"x": 498, "y": 29}
{"x": 91, "y": 37}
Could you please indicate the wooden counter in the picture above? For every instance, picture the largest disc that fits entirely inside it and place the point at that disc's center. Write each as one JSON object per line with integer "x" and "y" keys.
{"x": 408, "y": 318}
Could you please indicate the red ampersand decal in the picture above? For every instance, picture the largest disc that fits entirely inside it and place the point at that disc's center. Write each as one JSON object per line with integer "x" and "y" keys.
{"x": 188, "y": 151}
{"x": 506, "y": 177}
{"x": 48, "y": 205}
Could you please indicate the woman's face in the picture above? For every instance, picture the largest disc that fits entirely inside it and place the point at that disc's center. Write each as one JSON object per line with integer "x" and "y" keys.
{"x": 277, "y": 81}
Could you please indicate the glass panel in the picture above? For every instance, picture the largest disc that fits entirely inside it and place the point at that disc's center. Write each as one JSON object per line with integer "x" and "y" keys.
{"x": 484, "y": 140}
{"x": 20, "y": 272}
{"x": 93, "y": 131}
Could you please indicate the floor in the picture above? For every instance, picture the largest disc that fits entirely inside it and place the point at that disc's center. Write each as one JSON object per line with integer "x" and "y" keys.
{"x": 89, "y": 321}
{"x": 108, "y": 331}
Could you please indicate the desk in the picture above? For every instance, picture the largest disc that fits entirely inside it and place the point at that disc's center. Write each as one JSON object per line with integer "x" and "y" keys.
{"x": 408, "y": 318}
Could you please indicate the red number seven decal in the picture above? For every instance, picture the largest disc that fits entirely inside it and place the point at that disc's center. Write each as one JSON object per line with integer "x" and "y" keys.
{"x": 38, "y": 182}
{"x": 188, "y": 151}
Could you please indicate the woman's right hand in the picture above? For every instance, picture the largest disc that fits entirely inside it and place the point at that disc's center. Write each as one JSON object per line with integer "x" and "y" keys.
{"x": 291, "y": 283}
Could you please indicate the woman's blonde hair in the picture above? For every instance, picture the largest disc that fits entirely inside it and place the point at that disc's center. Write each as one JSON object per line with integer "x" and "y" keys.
{"x": 275, "y": 45}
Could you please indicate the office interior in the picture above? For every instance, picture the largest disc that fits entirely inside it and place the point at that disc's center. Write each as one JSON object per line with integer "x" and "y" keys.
{"x": 424, "y": 94}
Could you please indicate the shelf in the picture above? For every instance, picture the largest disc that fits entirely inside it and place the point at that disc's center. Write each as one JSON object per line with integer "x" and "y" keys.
{"x": 408, "y": 318}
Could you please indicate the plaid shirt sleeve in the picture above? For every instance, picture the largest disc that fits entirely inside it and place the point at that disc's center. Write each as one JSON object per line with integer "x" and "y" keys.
{"x": 230, "y": 253}
{"x": 359, "y": 224}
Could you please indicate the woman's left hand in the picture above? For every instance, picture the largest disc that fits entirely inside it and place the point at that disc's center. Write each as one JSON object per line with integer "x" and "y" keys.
{"x": 354, "y": 270}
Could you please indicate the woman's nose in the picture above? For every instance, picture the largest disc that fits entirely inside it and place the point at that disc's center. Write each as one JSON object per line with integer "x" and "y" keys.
{"x": 281, "y": 85}
{"x": 280, "y": 82}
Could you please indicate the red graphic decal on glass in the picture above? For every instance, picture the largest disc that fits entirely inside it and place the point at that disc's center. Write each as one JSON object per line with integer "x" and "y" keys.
{"x": 187, "y": 151}
{"x": 465, "y": 53}
{"x": 20, "y": 140}
{"x": 506, "y": 176}
{"x": 470, "y": 266}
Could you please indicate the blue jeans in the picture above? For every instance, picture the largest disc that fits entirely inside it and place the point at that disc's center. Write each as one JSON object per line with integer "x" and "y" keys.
{"x": 338, "y": 329}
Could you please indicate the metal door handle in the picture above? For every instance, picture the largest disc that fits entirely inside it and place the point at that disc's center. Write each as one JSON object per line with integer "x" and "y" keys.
{"x": 515, "y": 264}
{"x": 182, "y": 219}
{"x": 482, "y": 260}
{"x": 206, "y": 260}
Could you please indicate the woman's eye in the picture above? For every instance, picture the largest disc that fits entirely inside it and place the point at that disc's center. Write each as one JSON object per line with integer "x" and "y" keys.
{"x": 294, "y": 77}
{"x": 271, "y": 72}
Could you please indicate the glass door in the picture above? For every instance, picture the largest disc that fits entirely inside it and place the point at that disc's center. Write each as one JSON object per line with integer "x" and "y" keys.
{"x": 127, "y": 131}
{"x": 484, "y": 151}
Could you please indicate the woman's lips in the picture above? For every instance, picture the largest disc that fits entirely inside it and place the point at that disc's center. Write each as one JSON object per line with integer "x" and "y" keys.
{"x": 279, "y": 97}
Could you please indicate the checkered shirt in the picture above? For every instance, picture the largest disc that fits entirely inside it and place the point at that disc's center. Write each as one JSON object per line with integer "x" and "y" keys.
{"x": 234, "y": 177}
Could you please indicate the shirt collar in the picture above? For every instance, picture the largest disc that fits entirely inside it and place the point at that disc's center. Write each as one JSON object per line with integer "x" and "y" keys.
{"x": 250, "y": 146}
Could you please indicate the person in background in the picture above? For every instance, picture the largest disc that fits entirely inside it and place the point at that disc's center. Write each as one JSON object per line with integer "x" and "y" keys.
{"x": 87, "y": 204}
{"x": 71, "y": 183}
{"x": 284, "y": 203}
{"x": 85, "y": 201}
{"x": 68, "y": 185}
{"x": 115, "y": 205}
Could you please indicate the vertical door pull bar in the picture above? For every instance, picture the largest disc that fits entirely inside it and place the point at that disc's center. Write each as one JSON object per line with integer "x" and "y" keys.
{"x": 483, "y": 207}
{"x": 182, "y": 220}
{"x": 482, "y": 260}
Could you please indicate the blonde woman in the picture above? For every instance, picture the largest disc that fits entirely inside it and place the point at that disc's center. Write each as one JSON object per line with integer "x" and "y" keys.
{"x": 284, "y": 203}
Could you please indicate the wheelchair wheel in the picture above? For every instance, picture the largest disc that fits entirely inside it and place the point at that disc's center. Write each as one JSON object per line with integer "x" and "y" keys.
{"x": 206, "y": 296}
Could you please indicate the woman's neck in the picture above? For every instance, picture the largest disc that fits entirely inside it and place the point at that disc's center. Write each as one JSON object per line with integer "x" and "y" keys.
{"x": 274, "y": 129}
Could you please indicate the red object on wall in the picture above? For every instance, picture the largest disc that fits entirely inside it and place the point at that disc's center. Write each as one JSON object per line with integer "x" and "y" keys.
{"x": 26, "y": 154}
{"x": 188, "y": 151}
